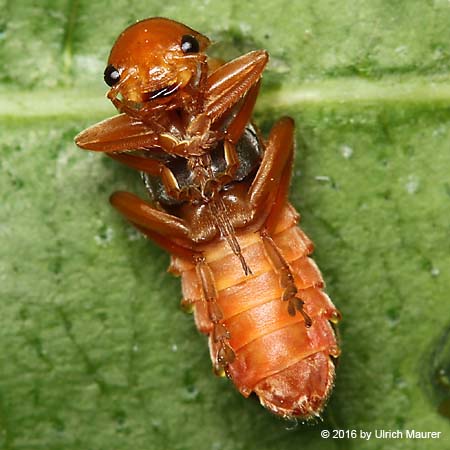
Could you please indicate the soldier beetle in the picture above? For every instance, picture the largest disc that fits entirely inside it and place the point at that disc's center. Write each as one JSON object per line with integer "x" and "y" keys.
{"x": 218, "y": 204}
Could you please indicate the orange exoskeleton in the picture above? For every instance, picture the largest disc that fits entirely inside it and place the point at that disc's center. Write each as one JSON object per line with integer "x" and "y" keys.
{"x": 218, "y": 204}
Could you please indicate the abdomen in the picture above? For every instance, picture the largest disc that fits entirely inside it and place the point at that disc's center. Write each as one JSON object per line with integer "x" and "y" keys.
{"x": 287, "y": 364}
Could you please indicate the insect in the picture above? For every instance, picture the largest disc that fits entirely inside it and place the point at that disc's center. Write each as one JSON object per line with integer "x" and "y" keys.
{"x": 218, "y": 204}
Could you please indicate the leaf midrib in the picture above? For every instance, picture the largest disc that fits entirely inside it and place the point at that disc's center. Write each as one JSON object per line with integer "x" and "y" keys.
{"x": 90, "y": 102}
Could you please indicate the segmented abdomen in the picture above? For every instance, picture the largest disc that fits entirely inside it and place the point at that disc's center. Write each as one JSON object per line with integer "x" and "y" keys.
{"x": 287, "y": 364}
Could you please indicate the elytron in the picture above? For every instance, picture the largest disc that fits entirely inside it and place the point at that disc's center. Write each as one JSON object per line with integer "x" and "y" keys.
{"x": 218, "y": 204}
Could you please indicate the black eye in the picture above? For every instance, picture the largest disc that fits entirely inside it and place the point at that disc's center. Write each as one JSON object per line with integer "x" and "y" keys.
{"x": 111, "y": 75}
{"x": 189, "y": 44}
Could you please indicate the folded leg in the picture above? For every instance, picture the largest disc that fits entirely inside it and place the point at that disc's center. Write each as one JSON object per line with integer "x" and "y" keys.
{"x": 169, "y": 232}
{"x": 270, "y": 187}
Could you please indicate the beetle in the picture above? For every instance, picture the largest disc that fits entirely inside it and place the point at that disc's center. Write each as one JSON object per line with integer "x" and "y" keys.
{"x": 218, "y": 204}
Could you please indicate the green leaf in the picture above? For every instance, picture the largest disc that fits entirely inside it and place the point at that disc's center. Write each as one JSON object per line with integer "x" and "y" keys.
{"x": 94, "y": 351}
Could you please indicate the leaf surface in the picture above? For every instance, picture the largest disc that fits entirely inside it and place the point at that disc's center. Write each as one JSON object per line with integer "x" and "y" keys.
{"x": 95, "y": 352}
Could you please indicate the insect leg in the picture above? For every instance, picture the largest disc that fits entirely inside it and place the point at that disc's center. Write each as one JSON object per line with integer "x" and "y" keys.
{"x": 271, "y": 182}
{"x": 232, "y": 81}
{"x": 147, "y": 165}
{"x": 232, "y": 163}
{"x": 145, "y": 216}
{"x": 220, "y": 334}
{"x": 286, "y": 278}
{"x": 119, "y": 133}
{"x": 268, "y": 194}
{"x": 236, "y": 127}
{"x": 234, "y": 131}
{"x": 281, "y": 197}
{"x": 151, "y": 167}
{"x": 170, "y": 245}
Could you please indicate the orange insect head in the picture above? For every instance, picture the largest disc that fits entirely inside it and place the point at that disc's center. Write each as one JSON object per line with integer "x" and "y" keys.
{"x": 154, "y": 59}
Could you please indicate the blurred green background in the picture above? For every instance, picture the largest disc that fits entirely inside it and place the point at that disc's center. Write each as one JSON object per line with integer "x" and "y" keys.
{"x": 94, "y": 350}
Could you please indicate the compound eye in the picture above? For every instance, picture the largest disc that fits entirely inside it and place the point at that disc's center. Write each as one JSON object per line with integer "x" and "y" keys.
{"x": 111, "y": 75}
{"x": 189, "y": 44}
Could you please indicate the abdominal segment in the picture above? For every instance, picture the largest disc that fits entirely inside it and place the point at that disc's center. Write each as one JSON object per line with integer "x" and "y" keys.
{"x": 286, "y": 363}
